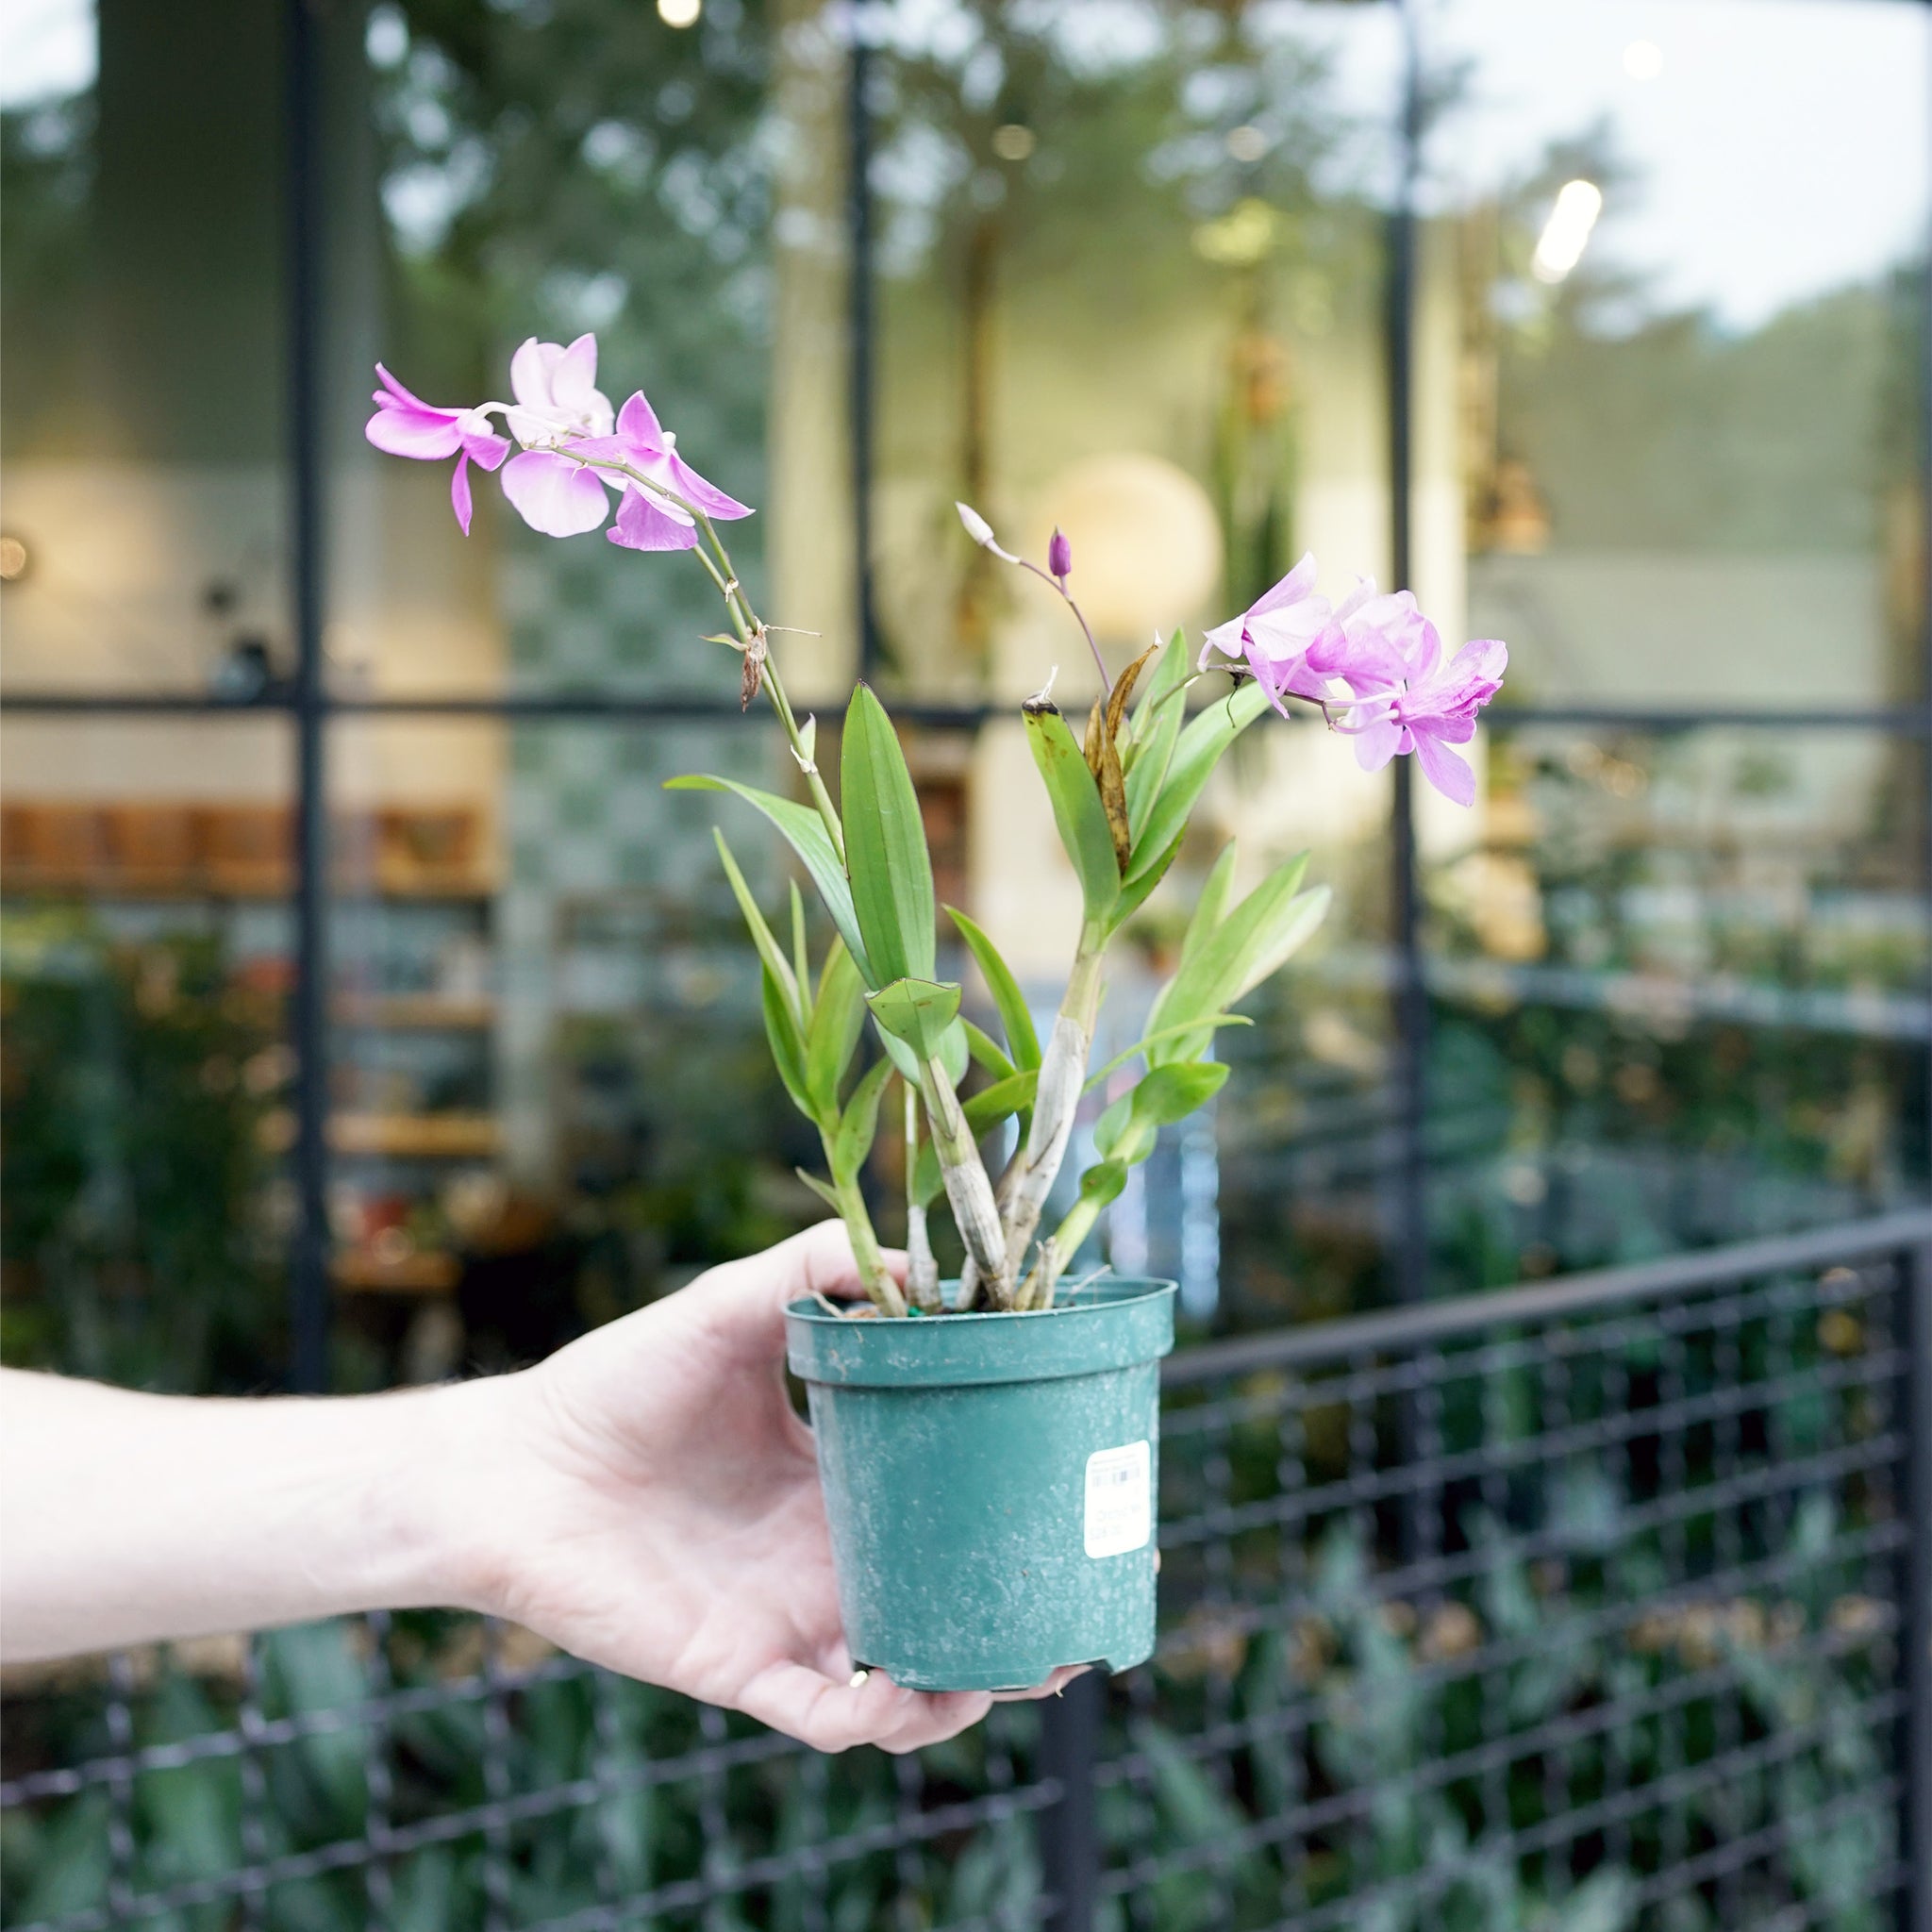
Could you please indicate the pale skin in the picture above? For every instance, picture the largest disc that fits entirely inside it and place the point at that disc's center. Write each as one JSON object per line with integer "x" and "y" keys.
{"x": 646, "y": 1499}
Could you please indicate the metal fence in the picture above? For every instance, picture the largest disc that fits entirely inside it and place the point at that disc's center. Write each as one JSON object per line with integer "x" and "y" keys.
{"x": 1584, "y": 1606}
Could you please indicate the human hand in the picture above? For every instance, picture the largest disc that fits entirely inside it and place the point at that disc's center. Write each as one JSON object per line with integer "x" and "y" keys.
{"x": 653, "y": 1506}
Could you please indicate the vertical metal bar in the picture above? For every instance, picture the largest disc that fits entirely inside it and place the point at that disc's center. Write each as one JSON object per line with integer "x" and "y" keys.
{"x": 308, "y": 1307}
{"x": 1915, "y": 1742}
{"x": 378, "y": 1874}
{"x": 253, "y": 1778}
{"x": 1412, "y": 1269}
{"x": 1070, "y": 1828}
{"x": 860, "y": 322}
{"x": 121, "y": 1840}
{"x": 912, "y": 1904}
{"x": 497, "y": 1744}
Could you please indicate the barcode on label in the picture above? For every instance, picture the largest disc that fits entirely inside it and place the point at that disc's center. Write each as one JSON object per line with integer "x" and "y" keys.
{"x": 1120, "y": 1501}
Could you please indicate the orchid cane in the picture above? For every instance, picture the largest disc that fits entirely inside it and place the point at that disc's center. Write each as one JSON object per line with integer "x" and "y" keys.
{"x": 1122, "y": 797}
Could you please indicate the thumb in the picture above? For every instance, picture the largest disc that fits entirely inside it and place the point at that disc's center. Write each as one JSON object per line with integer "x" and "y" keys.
{"x": 747, "y": 1300}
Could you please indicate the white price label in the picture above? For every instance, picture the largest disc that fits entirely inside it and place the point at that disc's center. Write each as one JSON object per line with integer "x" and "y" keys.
{"x": 1120, "y": 1500}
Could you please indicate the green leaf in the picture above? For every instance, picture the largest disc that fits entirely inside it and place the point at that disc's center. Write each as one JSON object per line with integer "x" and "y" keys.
{"x": 1134, "y": 895}
{"x": 1170, "y": 677}
{"x": 917, "y": 1011}
{"x": 955, "y": 1052}
{"x": 1003, "y": 1099}
{"x": 928, "y": 1179}
{"x": 1171, "y": 1093}
{"x": 1210, "y": 973}
{"x": 1022, "y": 1044}
{"x": 1237, "y": 954}
{"x": 761, "y": 936}
{"x": 1166, "y": 1033}
{"x": 1196, "y": 752}
{"x": 1076, "y": 810}
{"x": 1126, "y": 1131}
{"x": 859, "y": 1124}
{"x": 801, "y": 955}
{"x": 837, "y": 1019}
{"x": 886, "y": 857}
{"x": 1278, "y": 942}
{"x": 1211, "y": 909}
{"x": 1156, "y": 727}
{"x": 1103, "y": 1183}
{"x": 829, "y": 1195}
{"x": 788, "y": 1049}
{"x": 806, "y": 833}
{"x": 1110, "y": 1129}
{"x": 988, "y": 1052}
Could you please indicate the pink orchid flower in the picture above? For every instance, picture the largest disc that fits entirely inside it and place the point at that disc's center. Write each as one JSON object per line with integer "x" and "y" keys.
{"x": 1275, "y": 635}
{"x": 405, "y": 426}
{"x": 660, "y": 518}
{"x": 557, "y": 406}
{"x": 1434, "y": 706}
{"x": 1387, "y": 655}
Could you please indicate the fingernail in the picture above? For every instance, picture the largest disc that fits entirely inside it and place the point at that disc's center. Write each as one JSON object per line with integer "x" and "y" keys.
{"x": 859, "y": 1677}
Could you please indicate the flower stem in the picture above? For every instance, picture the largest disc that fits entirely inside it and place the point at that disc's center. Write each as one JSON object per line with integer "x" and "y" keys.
{"x": 749, "y": 627}
{"x": 751, "y": 632}
{"x": 1087, "y": 629}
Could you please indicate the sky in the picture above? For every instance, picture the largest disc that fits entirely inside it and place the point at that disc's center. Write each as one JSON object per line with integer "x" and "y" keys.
{"x": 1777, "y": 148}
{"x": 1780, "y": 147}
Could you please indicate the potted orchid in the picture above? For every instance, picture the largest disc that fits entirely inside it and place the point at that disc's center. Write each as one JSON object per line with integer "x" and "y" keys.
{"x": 987, "y": 1446}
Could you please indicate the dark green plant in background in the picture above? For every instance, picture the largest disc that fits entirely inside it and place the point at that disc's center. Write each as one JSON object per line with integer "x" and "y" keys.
{"x": 141, "y": 1082}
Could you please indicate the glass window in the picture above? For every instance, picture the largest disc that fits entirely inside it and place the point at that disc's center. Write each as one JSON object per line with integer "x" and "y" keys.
{"x": 623, "y": 176}
{"x": 1679, "y": 995}
{"x": 1672, "y": 291}
{"x": 144, "y": 537}
{"x": 145, "y": 968}
{"x": 1129, "y": 283}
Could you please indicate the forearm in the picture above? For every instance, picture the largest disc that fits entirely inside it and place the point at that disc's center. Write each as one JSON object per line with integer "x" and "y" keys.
{"x": 128, "y": 1518}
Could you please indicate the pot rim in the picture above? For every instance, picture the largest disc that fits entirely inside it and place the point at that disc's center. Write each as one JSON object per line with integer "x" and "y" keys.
{"x": 1116, "y": 1321}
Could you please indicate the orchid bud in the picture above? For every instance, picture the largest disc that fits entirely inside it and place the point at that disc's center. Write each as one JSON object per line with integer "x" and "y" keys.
{"x": 981, "y": 532}
{"x": 1059, "y": 554}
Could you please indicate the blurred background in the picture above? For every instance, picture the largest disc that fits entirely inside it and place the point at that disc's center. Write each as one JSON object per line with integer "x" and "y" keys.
{"x": 371, "y": 1012}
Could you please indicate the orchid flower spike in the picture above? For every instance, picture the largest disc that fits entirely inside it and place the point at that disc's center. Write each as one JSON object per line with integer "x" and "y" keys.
{"x": 405, "y": 426}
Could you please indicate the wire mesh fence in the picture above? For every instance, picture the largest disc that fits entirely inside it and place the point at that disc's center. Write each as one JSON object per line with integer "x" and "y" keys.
{"x": 1589, "y": 1607}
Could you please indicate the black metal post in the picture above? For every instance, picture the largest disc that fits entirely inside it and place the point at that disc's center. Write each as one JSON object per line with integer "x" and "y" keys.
{"x": 859, "y": 320}
{"x": 308, "y": 1284}
{"x": 1411, "y": 1015}
{"x": 1070, "y": 1828}
{"x": 1915, "y": 1621}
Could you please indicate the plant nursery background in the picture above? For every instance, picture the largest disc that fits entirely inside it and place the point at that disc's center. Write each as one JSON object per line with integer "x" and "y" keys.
{"x": 371, "y": 1013}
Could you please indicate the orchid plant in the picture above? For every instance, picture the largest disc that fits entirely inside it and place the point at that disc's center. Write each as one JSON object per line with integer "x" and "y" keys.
{"x": 1122, "y": 794}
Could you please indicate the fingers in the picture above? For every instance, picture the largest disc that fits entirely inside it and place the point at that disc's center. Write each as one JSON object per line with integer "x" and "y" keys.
{"x": 755, "y": 1291}
{"x": 833, "y": 1715}
{"x": 1052, "y": 1688}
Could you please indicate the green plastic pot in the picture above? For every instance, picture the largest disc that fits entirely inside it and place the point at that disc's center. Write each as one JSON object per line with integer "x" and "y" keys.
{"x": 990, "y": 1483}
